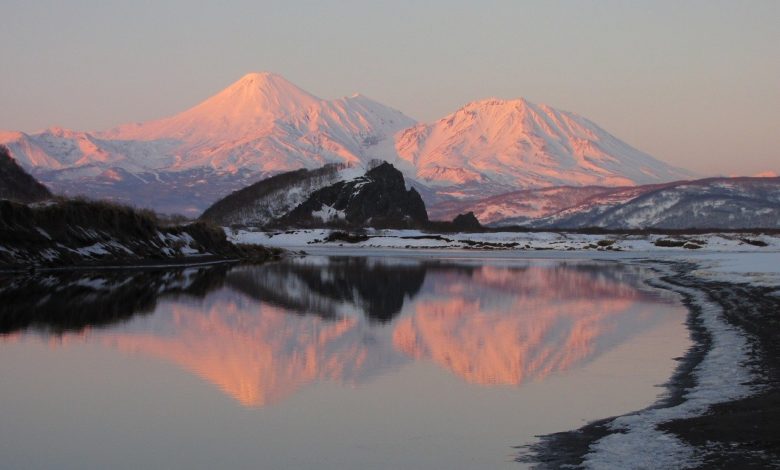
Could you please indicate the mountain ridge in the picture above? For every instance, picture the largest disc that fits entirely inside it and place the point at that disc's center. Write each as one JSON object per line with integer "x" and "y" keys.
{"x": 263, "y": 124}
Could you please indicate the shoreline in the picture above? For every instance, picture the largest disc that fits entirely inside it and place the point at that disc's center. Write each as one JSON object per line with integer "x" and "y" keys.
{"x": 134, "y": 265}
{"x": 689, "y": 426}
{"x": 741, "y": 430}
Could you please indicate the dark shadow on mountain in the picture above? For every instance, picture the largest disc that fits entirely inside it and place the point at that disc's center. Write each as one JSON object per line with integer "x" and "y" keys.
{"x": 74, "y": 300}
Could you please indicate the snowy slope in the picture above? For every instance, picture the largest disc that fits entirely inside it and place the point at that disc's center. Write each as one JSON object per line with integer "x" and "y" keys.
{"x": 523, "y": 207}
{"x": 516, "y": 207}
{"x": 520, "y": 144}
{"x": 265, "y": 123}
{"x": 270, "y": 199}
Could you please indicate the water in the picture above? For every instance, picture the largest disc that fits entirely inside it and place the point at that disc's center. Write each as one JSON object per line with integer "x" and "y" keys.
{"x": 326, "y": 363}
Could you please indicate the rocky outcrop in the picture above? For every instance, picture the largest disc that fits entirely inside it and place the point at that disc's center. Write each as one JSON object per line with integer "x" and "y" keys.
{"x": 378, "y": 199}
{"x": 466, "y": 223}
{"x": 16, "y": 184}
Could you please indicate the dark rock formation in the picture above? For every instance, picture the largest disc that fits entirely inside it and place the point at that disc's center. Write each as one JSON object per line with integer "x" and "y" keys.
{"x": 378, "y": 199}
{"x": 16, "y": 184}
{"x": 466, "y": 223}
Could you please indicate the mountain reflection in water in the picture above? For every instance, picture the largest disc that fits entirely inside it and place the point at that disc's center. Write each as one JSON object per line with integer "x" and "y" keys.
{"x": 261, "y": 332}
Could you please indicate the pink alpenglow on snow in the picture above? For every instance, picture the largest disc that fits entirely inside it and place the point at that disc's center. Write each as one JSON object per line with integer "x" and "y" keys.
{"x": 524, "y": 145}
{"x": 263, "y": 124}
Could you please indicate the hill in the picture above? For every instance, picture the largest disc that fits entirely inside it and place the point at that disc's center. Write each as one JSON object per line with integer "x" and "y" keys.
{"x": 80, "y": 233}
{"x": 330, "y": 196}
{"x": 717, "y": 203}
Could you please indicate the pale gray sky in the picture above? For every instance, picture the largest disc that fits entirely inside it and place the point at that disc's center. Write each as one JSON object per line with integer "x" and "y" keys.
{"x": 695, "y": 83}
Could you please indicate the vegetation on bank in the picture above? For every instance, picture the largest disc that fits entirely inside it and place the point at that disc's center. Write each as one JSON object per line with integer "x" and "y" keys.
{"x": 64, "y": 232}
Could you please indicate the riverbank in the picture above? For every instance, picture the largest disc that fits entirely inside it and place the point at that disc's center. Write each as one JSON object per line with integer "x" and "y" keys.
{"x": 67, "y": 233}
{"x": 514, "y": 241}
{"x": 722, "y": 405}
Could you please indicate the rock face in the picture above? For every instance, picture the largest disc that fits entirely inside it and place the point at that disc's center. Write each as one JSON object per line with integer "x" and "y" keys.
{"x": 16, "y": 184}
{"x": 377, "y": 199}
{"x": 466, "y": 223}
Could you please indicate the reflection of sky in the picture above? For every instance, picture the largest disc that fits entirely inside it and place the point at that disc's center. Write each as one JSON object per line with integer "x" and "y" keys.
{"x": 487, "y": 324}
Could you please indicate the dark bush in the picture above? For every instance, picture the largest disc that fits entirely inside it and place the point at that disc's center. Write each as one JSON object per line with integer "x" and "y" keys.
{"x": 340, "y": 236}
{"x": 669, "y": 243}
{"x": 752, "y": 241}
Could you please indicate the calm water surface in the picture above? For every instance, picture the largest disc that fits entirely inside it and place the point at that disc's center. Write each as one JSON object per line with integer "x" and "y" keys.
{"x": 326, "y": 363}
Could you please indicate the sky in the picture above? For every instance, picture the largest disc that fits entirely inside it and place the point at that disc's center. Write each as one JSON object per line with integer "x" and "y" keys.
{"x": 694, "y": 83}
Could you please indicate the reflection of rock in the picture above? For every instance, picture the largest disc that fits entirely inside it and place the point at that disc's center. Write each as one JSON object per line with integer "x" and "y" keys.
{"x": 73, "y": 300}
{"x": 505, "y": 326}
{"x": 375, "y": 288}
{"x": 259, "y": 353}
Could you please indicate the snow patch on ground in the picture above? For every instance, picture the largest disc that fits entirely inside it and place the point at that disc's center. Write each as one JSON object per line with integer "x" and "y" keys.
{"x": 713, "y": 242}
{"x": 92, "y": 250}
{"x": 328, "y": 213}
{"x": 757, "y": 268}
{"x": 721, "y": 376}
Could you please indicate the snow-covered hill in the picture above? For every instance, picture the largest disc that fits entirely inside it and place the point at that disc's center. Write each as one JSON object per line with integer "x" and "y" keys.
{"x": 718, "y": 203}
{"x": 263, "y": 125}
{"x": 525, "y": 206}
{"x": 713, "y": 203}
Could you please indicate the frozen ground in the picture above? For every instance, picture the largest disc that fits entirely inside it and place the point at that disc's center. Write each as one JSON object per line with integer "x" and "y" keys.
{"x": 720, "y": 242}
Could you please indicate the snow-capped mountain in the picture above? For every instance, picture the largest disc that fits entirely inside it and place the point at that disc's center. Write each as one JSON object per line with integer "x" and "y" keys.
{"x": 263, "y": 125}
{"x": 259, "y": 126}
{"x": 518, "y": 144}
